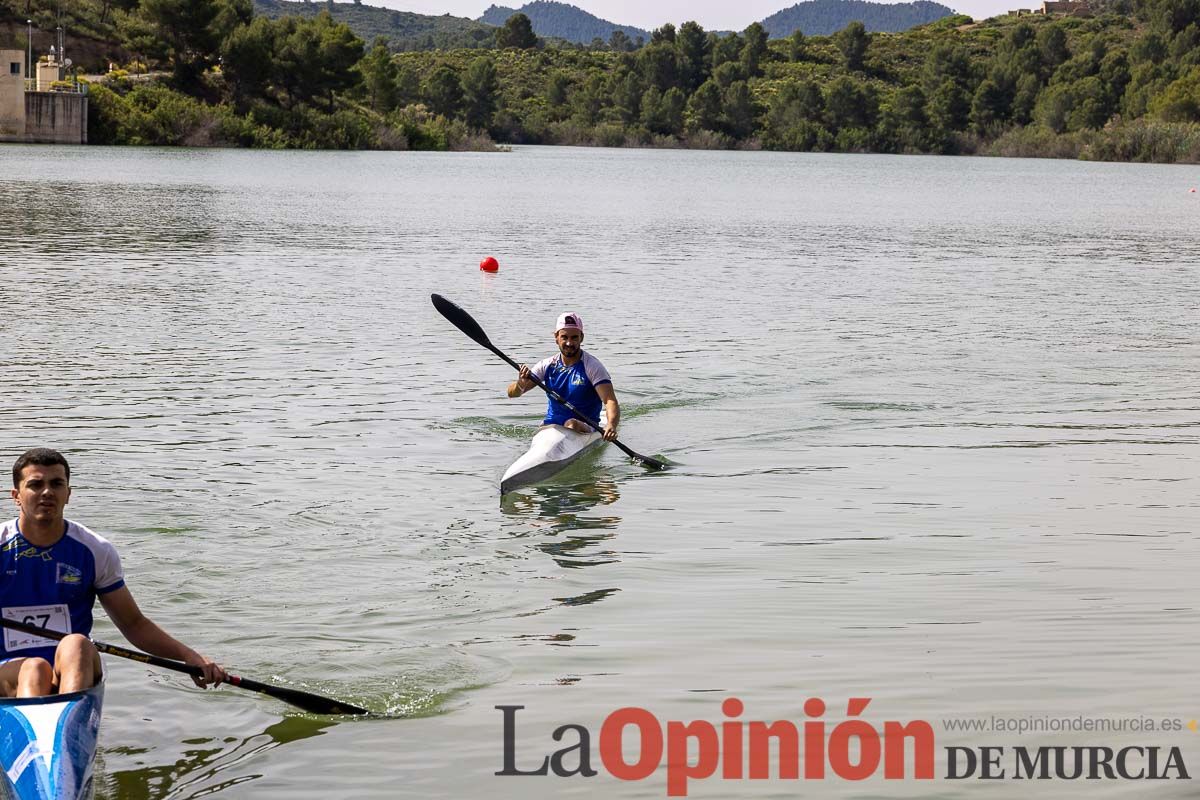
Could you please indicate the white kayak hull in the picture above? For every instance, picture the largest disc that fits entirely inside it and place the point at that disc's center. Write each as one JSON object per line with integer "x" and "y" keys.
{"x": 553, "y": 448}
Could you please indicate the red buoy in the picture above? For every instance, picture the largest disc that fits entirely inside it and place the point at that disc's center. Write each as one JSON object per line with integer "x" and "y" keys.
{"x": 489, "y": 264}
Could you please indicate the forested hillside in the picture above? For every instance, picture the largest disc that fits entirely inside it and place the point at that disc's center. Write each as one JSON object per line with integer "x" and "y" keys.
{"x": 563, "y": 21}
{"x": 1123, "y": 85}
{"x": 403, "y": 30}
{"x": 824, "y": 17}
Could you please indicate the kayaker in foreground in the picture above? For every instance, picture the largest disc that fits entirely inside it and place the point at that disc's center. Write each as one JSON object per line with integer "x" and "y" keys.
{"x": 578, "y": 376}
{"x": 51, "y": 572}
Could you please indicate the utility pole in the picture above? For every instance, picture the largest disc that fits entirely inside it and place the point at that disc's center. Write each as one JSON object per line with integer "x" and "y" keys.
{"x": 59, "y": 19}
{"x": 29, "y": 57}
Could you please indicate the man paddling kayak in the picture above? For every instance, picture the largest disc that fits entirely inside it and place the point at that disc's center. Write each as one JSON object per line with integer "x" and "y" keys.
{"x": 578, "y": 376}
{"x": 51, "y": 572}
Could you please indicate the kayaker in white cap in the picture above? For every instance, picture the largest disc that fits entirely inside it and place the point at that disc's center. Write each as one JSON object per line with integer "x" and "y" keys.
{"x": 575, "y": 374}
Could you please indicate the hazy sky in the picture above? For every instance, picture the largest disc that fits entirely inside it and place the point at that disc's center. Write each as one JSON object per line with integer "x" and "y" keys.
{"x": 649, "y": 14}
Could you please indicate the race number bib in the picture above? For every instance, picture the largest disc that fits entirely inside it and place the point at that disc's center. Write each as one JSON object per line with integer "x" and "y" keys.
{"x": 54, "y": 618}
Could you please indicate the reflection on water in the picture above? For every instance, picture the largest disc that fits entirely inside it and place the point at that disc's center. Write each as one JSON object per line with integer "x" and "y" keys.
{"x": 201, "y": 771}
{"x": 562, "y": 511}
{"x": 586, "y": 598}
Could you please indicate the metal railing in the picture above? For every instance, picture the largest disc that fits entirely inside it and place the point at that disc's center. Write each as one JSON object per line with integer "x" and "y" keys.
{"x": 69, "y": 85}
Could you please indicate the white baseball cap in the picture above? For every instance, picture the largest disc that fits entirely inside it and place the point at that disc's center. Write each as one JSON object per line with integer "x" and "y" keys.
{"x": 569, "y": 321}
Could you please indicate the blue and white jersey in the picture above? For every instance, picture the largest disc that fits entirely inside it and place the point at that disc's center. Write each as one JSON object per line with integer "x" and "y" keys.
{"x": 576, "y": 383}
{"x": 53, "y": 587}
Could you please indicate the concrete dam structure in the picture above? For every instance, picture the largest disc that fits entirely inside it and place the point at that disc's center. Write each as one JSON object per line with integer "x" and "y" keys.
{"x": 47, "y": 110}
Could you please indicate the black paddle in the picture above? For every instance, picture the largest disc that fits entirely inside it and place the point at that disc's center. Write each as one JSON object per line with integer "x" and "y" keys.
{"x": 312, "y": 703}
{"x": 467, "y": 324}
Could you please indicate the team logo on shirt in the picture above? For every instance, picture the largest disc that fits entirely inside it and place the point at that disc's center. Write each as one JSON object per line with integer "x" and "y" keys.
{"x": 68, "y": 574}
{"x": 32, "y": 552}
{"x": 21, "y": 547}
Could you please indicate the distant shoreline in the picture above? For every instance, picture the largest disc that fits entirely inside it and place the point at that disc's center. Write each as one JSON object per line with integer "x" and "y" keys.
{"x": 1117, "y": 85}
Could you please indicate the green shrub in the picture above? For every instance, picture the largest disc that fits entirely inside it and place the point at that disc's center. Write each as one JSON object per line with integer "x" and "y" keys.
{"x": 1147, "y": 140}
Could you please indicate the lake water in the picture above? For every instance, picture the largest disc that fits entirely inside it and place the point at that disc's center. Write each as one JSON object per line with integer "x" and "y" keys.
{"x": 935, "y": 425}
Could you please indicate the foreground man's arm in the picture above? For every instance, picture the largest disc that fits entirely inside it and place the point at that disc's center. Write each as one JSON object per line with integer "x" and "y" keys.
{"x": 142, "y": 633}
{"x": 612, "y": 409}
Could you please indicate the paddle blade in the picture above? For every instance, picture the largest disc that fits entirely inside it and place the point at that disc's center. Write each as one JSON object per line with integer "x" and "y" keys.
{"x": 306, "y": 701}
{"x": 645, "y": 461}
{"x": 651, "y": 463}
{"x": 461, "y": 320}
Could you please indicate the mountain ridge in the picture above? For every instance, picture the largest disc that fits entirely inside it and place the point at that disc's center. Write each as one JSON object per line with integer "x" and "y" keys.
{"x": 554, "y": 19}
{"x": 404, "y": 30}
{"x": 562, "y": 21}
{"x": 823, "y": 17}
